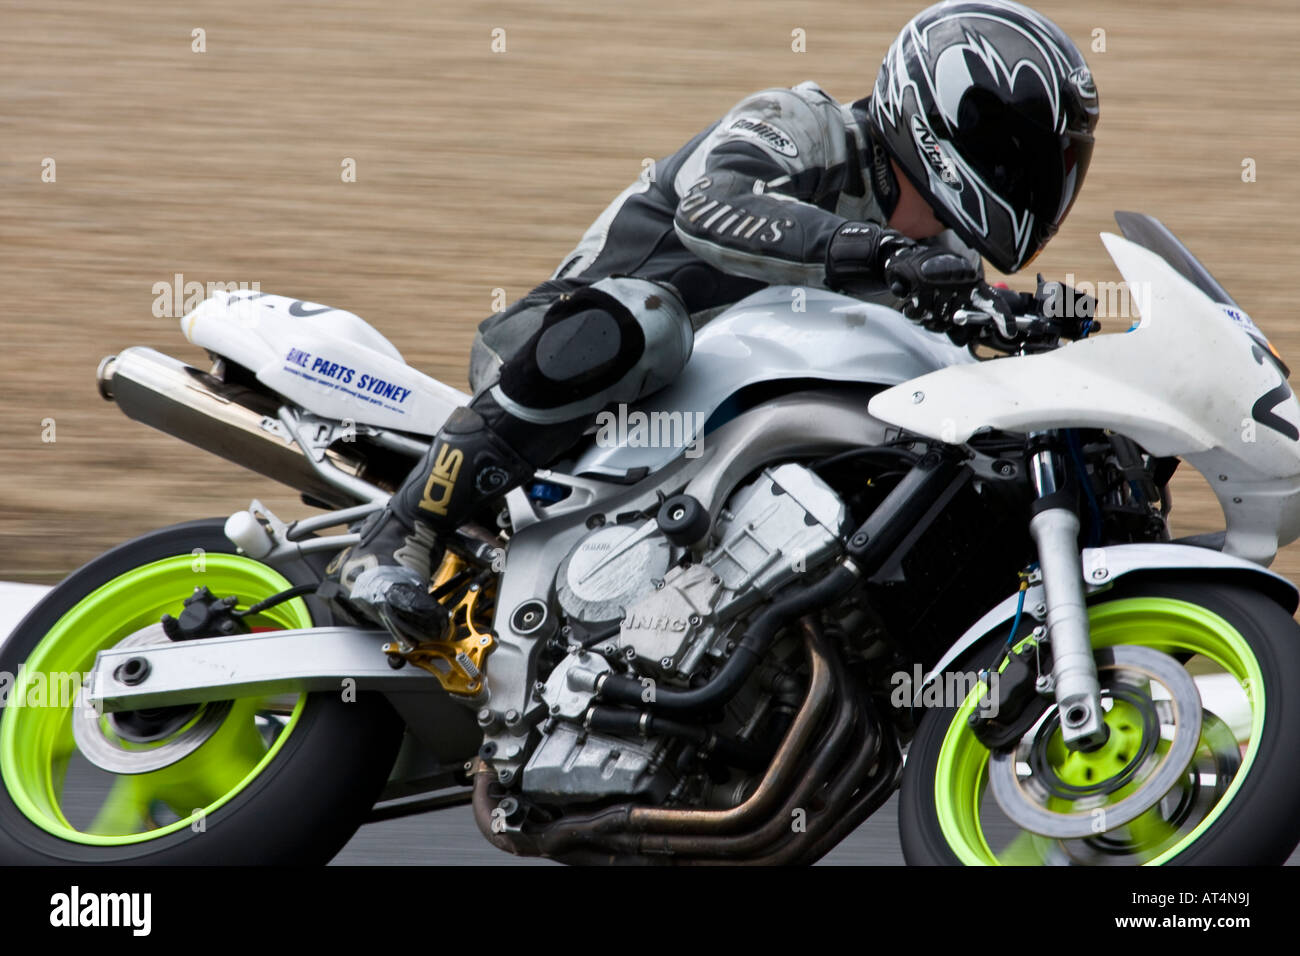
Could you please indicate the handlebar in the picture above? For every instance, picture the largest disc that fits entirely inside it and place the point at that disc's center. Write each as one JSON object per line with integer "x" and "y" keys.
{"x": 1018, "y": 332}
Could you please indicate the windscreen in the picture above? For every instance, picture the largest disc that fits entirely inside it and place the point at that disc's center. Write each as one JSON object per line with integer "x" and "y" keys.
{"x": 1151, "y": 233}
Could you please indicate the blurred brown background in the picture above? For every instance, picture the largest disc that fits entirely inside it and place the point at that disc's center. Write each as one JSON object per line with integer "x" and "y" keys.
{"x": 478, "y": 170}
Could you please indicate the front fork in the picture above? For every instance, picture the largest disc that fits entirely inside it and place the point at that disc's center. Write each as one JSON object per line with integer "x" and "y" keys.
{"x": 1055, "y": 529}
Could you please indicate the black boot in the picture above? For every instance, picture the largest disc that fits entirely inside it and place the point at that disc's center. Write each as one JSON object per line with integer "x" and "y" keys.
{"x": 471, "y": 461}
{"x": 386, "y": 575}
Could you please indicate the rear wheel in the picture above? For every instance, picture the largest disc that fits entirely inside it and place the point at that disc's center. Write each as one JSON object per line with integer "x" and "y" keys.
{"x": 1224, "y": 792}
{"x": 283, "y": 779}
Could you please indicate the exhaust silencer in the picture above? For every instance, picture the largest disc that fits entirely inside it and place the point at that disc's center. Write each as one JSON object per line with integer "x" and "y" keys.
{"x": 232, "y": 421}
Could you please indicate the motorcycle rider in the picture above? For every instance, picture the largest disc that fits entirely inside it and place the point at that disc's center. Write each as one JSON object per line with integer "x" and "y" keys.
{"x": 974, "y": 142}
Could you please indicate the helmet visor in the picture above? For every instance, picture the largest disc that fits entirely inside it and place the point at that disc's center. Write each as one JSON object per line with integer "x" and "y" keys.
{"x": 1031, "y": 167}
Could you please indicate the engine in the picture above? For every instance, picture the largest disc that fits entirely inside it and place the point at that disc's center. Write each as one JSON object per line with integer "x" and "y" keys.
{"x": 638, "y": 605}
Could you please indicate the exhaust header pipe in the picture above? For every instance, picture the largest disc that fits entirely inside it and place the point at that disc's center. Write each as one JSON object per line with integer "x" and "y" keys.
{"x": 234, "y": 422}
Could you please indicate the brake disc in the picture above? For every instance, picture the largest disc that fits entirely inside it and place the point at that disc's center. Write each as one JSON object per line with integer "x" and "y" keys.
{"x": 1181, "y": 810}
{"x": 115, "y": 742}
{"x": 1125, "y": 674}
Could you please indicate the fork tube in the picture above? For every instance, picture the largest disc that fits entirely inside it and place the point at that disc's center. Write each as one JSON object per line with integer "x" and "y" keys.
{"x": 1055, "y": 529}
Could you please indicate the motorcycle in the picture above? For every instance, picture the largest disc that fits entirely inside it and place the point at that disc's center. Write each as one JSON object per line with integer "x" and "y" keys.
{"x": 840, "y": 557}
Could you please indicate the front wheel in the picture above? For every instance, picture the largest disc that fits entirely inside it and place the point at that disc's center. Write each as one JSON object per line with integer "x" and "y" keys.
{"x": 1225, "y": 796}
{"x": 285, "y": 779}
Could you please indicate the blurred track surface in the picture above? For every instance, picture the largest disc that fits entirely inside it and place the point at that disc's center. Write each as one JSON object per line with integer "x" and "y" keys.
{"x": 477, "y": 171}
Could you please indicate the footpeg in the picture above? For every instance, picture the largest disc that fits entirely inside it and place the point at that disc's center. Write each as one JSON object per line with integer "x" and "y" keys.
{"x": 457, "y": 655}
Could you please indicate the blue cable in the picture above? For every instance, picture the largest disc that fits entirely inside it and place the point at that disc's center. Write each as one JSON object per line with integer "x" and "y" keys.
{"x": 1015, "y": 623}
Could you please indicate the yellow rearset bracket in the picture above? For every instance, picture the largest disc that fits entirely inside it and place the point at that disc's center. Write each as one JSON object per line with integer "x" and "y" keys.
{"x": 456, "y": 658}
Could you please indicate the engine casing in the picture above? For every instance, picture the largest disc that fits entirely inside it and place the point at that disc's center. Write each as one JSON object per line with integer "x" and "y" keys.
{"x": 782, "y": 526}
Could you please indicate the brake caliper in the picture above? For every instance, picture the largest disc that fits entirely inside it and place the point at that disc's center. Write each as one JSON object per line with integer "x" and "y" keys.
{"x": 205, "y": 615}
{"x": 1018, "y": 704}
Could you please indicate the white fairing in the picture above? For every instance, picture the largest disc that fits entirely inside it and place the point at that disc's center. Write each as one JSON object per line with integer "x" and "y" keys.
{"x": 780, "y": 332}
{"x": 1188, "y": 381}
{"x": 330, "y": 362}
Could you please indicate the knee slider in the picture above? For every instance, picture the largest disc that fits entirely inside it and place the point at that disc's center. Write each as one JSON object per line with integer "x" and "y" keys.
{"x": 615, "y": 340}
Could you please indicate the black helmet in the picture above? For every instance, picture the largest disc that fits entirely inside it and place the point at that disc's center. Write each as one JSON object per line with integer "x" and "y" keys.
{"x": 989, "y": 109}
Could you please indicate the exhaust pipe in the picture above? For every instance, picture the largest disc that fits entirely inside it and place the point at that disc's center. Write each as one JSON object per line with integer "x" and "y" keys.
{"x": 628, "y": 833}
{"x": 234, "y": 422}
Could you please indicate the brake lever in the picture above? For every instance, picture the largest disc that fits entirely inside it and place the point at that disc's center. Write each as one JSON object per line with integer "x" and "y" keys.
{"x": 971, "y": 317}
{"x": 999, "y": 330}
{"x": 1017, "y": 328}
{"x": 1008, "y": 326}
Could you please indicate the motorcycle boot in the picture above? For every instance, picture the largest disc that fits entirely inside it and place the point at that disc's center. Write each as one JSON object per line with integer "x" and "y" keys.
{"x": 386, "y": 575}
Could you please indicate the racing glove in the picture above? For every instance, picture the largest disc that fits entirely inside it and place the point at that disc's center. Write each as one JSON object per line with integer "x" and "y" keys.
{"x": 932, "y": 281}
{"x": 857, "y": 253}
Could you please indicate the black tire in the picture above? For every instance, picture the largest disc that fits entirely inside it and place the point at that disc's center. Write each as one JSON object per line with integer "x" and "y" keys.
{"x": 1259, "y": 826}
{"x": 304, "y": 805}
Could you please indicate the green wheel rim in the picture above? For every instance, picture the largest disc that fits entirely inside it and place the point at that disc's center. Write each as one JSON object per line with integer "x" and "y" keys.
{"x": 36, "y": 742}
{"x": 1163, "y": 624}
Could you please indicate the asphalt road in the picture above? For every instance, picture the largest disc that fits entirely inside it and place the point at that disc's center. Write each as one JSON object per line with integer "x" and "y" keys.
{"x": 450, "y": 838}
